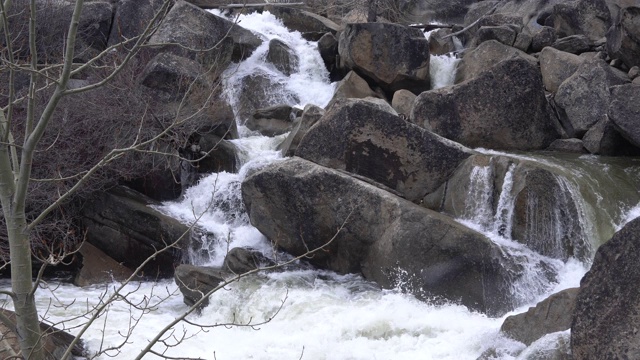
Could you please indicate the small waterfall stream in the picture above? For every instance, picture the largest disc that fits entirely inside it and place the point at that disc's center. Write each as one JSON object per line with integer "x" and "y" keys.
{"x": 344, "y": 317}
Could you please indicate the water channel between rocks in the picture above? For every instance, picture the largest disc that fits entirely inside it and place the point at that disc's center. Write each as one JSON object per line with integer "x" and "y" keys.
{"x": 331, "y": 316}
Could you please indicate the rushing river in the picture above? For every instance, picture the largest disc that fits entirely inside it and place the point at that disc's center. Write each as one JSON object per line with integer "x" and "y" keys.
{"x": 309, "y": 314}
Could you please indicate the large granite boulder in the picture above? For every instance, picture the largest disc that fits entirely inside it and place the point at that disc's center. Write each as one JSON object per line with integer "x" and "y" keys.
{"x": 604, "y": 138}
{"x": 548, "y": 316}
{"x": 512, "y": 115}
{"x": 607, "y": 313}
{"x": 210, "y": 40}
{"x": 623, "y": 38}
{"x": 586, "y": 17}
{"x": 369, "y": 139}
{"x": 394, "y": 56}
{"x": 123, "y": 226}
{"x": 282, "y": 57}
{"x": 624, "y": 111}
{"x": 584, "y": 97}
{"x": 485, "y": 56}
{"x": 556, "y": 66}
{"x": 300, "y": 206}
{"x": 195, "y": 282}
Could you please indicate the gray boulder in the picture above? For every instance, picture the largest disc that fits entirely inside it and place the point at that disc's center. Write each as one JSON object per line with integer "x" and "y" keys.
{"x": 131, "y": 18}
{"x": 98, "y": 267}
{"x": 568, "y": 146}
{"x": 556, "y": 66}
{"x": 282, "y": 57}
{"x": 328, "y": 48}
{"x": 502, "y": 34}
{"x": 201, "y": 36}
{"x": 271, "y": 121}
{"x": 514, "y": 115}
{"x": 623, "y": 38}
{"x": 574, "y": 44}
{"x": 584, "y": 97}
{"x": 123, "y": 226}
{"x": 607, "y": 313}
{"x": 548, "y": 316}
{"x": 258, "y": 91}
{"x": 174, "y": 74}
{"x": 394, "y": 56}
{"x": 309, "y": 117}
{"x": 485, "y": 56}
{"x": 591, "y": 18}
{"x": 624, "y": 111}
{"x": 312, "y": 26}
{"x": 242, "y": 260}
{"x": 353, "y": 86}
{"x": 440, "y": 43}
{"x": 194, "y": 282}
{"x": 403, "y": 101}
{"x": 542, "y": 37}
{"x": 604, "y": 139}
{"x": 370, "y": 140}
{"x": 299, "y": 206}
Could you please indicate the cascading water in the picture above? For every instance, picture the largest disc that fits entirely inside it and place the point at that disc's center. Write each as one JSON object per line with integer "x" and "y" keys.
{"x": 325, "y": 315}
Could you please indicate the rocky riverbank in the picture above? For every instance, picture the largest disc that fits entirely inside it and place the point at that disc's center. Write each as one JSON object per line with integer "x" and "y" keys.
{"x": 384, "y": 170}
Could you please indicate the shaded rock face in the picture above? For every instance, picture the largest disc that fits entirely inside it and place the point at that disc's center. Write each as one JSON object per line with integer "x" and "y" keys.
{"x": 513, "y": 115}
{"x": 574, "y": 44}
{"x": 624, "y": 111}
{"x": 98, "y": 268}
{"x": 548, "y": 316}
{"x": 299, "y": 205}
{"x": 623, "y": 38}
{"x": 121, "y": 224}
{"x": 370, "y": 140}
{"x": 604, "y": 139}
{"x": 503, "y": 34}
{"x": 584, "y": 97}
{"x": 485, "y": 56}
{"x": 394, "y": 56}
{"x": 607, "y": 313}
{"x": 328, "y": 48}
